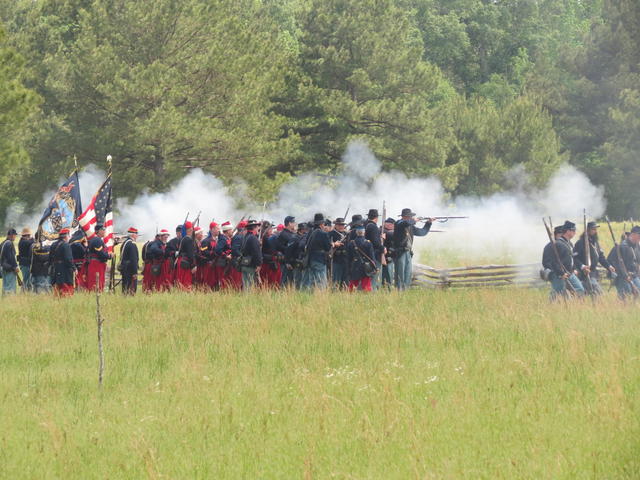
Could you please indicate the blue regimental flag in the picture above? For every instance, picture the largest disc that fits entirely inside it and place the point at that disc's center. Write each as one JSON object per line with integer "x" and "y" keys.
{"x": 63, "y": 210}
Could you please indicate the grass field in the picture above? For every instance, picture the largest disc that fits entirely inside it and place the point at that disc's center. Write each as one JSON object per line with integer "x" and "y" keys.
{"x": 426, "y": 384}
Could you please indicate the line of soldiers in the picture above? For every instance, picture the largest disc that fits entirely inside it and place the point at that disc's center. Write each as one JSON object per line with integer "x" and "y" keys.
{"x": 66, "y": 265}
{"x": 308, "y": 255}
{"x": 573, "y": 272}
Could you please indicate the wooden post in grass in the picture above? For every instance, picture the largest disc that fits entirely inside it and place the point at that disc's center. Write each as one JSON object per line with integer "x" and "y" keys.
{"x": 99, "y": 321}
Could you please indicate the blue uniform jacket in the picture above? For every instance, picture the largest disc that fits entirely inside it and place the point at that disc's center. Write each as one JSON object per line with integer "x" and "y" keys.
{"x": 318, "y": 246}
{"x": 130, "y": 258}
{"x": 223, "y": 245}
{"x": 404, "y": 232}
{"x": 372, "y": 233}
{"x": 8, "y": 258}
{"x": 98, "y": 250}
{"x": 251, "y": 248}
{"x": 357, "y": 252}
{"x": 156, "y": 250}
{"x": 236, "y": 244}
{"x": 63, "y": 265}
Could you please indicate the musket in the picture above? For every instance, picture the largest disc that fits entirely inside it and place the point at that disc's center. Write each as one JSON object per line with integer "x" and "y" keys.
{"x": 19, "y": 279}
{"x": 347, "y": 212}
{"x": 554, "y": 247}
{"x": 184, "y": 230}
{"x": 444, "y": 219}
{"x": 263, "y": 230}
{"x": 196, "y": 222}
{"x": 621, "y": 265}
{"x": 587, "y": 254}
{"x": 235, "y": 230}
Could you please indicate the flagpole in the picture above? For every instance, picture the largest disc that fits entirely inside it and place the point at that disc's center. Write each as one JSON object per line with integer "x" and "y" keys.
{"x": 112, "y": 278}
{"x": 75, "y": 163}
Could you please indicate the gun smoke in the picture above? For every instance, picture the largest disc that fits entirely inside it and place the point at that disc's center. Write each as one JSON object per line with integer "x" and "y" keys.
{"x": 502, "y": 227}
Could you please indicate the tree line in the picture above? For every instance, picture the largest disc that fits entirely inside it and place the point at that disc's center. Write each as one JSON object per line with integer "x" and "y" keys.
{"x": 262, "y": 90}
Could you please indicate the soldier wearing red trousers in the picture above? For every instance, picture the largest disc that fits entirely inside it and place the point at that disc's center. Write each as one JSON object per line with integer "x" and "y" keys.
{"x": 160, "y": 270}
{"x": 186, "y": 261}
{"x": 223, "y": 256}
{"x": 98, "y": 258}
{"x": 270, "y": 272}
{"x": 210, "y": 277}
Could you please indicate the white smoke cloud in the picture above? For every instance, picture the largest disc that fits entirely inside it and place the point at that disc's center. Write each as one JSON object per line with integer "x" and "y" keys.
{"x": 196, "y": 192}
{"x": 502, "y": 227}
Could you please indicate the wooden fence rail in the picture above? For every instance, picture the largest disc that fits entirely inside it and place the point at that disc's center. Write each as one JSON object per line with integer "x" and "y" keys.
{"x": 525, "y": 275}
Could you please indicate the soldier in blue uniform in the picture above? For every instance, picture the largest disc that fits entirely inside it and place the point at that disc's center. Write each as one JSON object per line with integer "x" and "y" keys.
{"x": 186, "y": 260}
{"x": 388, "y": 271}
{"x": 171, "y": 252}
{"x": 338, "y": 258}
{"x": 317, "y": 249}
{"x": 372, "y": 233}
{"x": 223, "y": 255}
{"x": 356, "y": 220}
{"x": 628, "y": 280}
{"x": 250, "y": 256}
{"x": 63, "y": 266}
{"x": 405, "y": 230}
{"x": 597, "y": 256}
{"x": 295, "y": 253}
{"x": 361, "y": 262}
{"x": 24, "y": 258}
{"x": 40, "y": 278}
{"x": 562, "y": 272}
{"x": 129, "y": 262}
{"x": 8, "y": 263}
{"x": 285, "y": 238}
{"x": 270, "y": 272}
{"x": 98, "y": 258}
{"x": 79, "y": 250}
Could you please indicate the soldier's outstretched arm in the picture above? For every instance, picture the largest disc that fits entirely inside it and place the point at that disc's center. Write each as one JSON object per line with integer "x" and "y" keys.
{"x": 421, "y": 232}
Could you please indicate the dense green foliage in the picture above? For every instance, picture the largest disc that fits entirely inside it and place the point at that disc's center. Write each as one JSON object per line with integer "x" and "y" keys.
{"x": 264, "y": 89}
{"x": 16, "y": 104}
{"x": 452, "y": 385}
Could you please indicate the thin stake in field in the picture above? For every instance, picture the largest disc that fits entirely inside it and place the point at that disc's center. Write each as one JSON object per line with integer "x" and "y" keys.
{"x": 100, "y": 322}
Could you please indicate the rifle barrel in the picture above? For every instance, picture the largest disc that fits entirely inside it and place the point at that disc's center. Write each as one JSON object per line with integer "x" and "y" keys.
{"x": 442, "y": 219}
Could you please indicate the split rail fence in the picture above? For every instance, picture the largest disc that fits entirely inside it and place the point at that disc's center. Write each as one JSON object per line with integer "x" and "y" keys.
{"x": 525, "y": 275}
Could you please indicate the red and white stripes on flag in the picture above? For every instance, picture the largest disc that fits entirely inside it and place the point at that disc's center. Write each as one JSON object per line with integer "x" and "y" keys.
{"x": 99, "y": 212}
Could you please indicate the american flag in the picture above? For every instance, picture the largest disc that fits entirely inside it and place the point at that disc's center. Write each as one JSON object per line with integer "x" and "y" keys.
{"x": 99, "y": 211}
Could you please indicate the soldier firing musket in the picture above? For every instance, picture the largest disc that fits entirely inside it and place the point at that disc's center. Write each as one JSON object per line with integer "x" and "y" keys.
{"x": 405, "y": 230}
